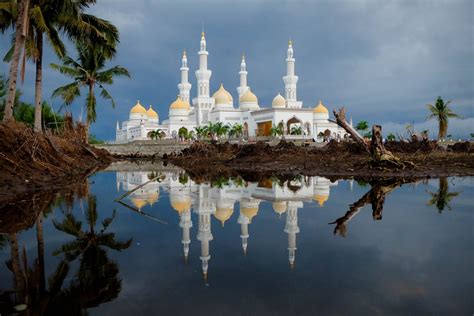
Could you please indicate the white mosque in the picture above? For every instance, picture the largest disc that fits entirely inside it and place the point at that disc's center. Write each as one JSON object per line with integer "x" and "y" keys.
{"x": 255, "y": 119}
{"x": 218, "y": 202}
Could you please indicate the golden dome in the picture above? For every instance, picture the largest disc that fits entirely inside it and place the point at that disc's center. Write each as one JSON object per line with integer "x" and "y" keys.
{"x": 222, "y": 96}
{"x": 321, "y": 108}
{"x": 138, "y": 202}
{"x": 248, "y": 97}
{"x": 181, "y": 206}
{"x": 320, "y": 199}
{"x": 151, "y": 113}
{"x": 180, "y": 104}
{"x": 279, "y": 207}
{"x": 250, "y": 212}
{"x": 152, "y": 198}
{"x": 278, "y": 101}
{"x": 138, "y": 109}
{"x": 223, "y": 214}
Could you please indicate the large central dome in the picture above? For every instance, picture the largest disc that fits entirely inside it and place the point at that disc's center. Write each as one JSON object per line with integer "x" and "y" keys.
{"x": 222, "y": 96}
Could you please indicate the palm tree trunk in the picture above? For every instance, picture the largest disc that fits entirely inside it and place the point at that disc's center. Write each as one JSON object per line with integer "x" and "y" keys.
{"x": 15, "y": 254}
{"x": 40, "y": 245}
{"x": 20, "y": 35}
{"x": 38, "y": 83}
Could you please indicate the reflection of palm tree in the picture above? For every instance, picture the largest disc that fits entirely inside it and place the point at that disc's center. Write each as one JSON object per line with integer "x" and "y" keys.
{"x": 97, "y": 279}
{"x": 442, "y": 198}
{"x": 86, "y": 239}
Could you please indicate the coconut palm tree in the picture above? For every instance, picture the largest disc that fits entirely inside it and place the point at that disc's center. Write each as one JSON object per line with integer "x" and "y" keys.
{"x": 200, "y": 131}
{"x": 441, "y": 112}
{"x": 48, "y": 18}
{"x": 363, "y": 126}
{"x": 158, "y": 133}
{"x": 276, "y": 131}
{"x": 6, "y": 17}
{"x": 236, "y": 130}
{"x": 296, "y": 130}
{"x": 442, "y": 198}
{"x": 88, "y": 72}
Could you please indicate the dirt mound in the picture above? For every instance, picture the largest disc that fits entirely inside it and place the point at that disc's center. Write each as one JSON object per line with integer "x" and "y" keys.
{"x": 29, "y": 159}
{"x": 335, "y": 147}
{"x": 412, "y": 147}
{"x": 461, "y": 147}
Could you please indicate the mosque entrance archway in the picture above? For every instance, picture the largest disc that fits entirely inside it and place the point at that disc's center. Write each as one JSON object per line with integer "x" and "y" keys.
{"x": 293, "y": 122}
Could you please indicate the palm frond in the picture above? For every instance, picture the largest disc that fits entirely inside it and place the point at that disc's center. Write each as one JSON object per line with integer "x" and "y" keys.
{"x": 106, "y": 95}
{"x": 68, "y": 92}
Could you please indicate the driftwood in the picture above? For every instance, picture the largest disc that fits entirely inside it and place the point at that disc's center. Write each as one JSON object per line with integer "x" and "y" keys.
{"x": 380, "y": 157}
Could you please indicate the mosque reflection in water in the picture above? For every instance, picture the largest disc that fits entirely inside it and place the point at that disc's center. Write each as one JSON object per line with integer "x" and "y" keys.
{"x": 217, "y": 199}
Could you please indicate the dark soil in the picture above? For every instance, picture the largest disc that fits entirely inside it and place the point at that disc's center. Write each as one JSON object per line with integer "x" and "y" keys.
{"x": 335, "y": 160}
{"x": 31, "y": 161}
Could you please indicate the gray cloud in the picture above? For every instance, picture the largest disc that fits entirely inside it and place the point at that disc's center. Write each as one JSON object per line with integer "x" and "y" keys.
{"x": 383, "y": 60}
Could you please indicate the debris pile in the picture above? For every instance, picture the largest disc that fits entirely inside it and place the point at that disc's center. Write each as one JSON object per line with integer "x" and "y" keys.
{"x": 30, "y": 160}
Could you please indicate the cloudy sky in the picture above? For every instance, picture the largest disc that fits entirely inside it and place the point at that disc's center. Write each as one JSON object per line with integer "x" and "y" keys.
{"x": 382, "y": 60}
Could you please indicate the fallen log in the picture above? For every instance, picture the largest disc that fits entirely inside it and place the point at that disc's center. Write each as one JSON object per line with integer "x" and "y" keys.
{"x": 380, "y": 157}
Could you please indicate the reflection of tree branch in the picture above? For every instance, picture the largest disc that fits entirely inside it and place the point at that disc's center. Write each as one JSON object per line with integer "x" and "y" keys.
{"x": 376, "y": 197}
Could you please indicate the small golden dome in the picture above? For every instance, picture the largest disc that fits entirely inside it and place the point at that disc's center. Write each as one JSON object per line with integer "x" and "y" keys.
{"x": 222, "y": 96}
{"x": 181, "y": 206}
{"x": 180, "y": 104}
{"x": 320, "y": 199}
{"x": 321, "y": 108}
{"x": 138, "y": 202}
{"x": 278, "y": 101}
{"x": 152, "y": 198}
{"x": 279, "y": 207}
{"x": 151, "y": 113}
{"x": 249, "y": 97}
{"x": 138, "y": 109}
{"x": 249, "y": 212}
{"x": 223, "y": 214}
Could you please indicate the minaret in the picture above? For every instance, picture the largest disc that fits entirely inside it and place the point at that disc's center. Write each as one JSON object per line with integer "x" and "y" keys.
{"x": 291, "y": 228}
{"x": 186, "y": 223}
{"x": 184, "y": 87}
{"x": 204, "y": 236}
{"x": 203, "y": 103}
{"x": 243, "y": 78}
{"x": 244, "y": 230}
{"x": 290, "y": 79}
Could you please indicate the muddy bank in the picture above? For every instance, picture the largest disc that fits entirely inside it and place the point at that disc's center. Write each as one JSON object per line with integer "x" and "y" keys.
{"x": 335, "y": 160}
{"x": 31, "y": 161}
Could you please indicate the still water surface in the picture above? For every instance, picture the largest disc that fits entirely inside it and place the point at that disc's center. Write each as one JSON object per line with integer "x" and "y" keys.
{"x": 233, "y": 247}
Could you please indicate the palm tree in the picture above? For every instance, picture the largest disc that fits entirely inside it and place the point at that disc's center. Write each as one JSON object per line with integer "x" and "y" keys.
{"x": 362, "y": 126}
{"x": 391, "y": 137}
{"x": 200, "y": 131}
{"x": 236, "y": 130}
{"x": 441, "y": 112}
{"x": 276, "y": 131}
{"x": 20, "y": 35}
{"x": 442, "y": 198}
{"x": 296, "y": 130}
{"x": 87, "y": 72}
{"x": 156, "y": 134}
{"x": 47, "y": 18}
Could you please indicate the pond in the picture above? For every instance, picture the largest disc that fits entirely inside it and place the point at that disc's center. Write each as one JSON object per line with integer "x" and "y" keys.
{"x": 304, "y": 246}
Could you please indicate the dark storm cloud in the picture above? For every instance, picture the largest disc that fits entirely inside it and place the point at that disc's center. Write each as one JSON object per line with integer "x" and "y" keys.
{"x": 383, "y": 60}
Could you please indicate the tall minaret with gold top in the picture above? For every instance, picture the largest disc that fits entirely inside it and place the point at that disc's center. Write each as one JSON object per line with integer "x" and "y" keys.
{"x": 242, "y": 88}
{"x": 291, "y": 228}
{"x": 184, "y": 86}
{"x": 291, "y": 79}
{"x": 203, "y": 103}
